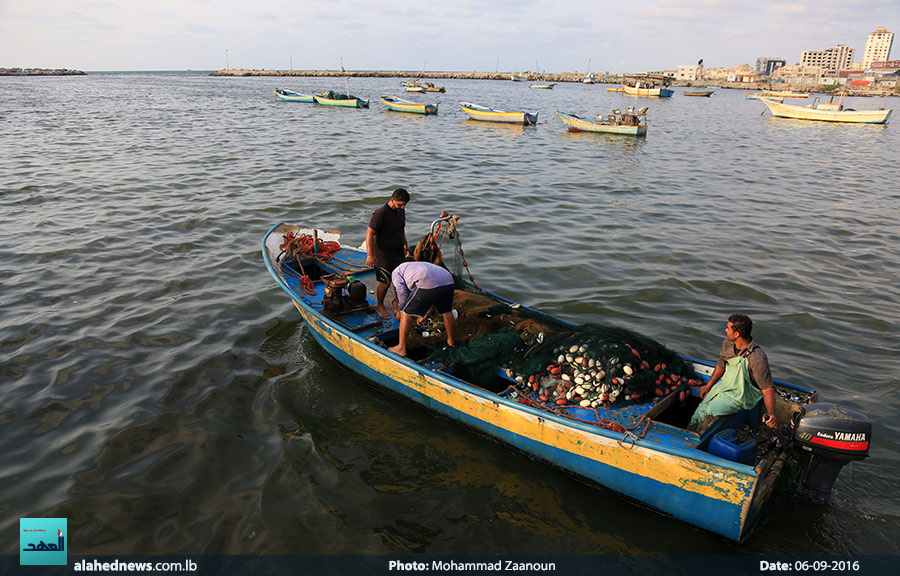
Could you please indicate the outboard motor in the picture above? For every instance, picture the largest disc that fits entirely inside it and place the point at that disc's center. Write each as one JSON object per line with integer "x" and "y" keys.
{"x": 826, "y": 436}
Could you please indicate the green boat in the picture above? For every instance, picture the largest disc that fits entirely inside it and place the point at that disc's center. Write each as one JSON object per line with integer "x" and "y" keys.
{"x": 332, "y": 98}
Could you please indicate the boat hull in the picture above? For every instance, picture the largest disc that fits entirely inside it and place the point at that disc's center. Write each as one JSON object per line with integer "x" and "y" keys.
{"x": 780, "y": 110}
{"x": 710, "y": 492}
{"x": 708, "y": 496}
{"x": 400, "y": 105}
{"x": 699, "y": 94}
{"x": 490, "y": 115}
{"x": 576, "y": 124}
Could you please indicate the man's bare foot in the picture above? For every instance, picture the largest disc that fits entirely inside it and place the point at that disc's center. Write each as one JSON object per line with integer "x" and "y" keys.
{"x": 382, "y": 311}
{"x": 397, "y": 350}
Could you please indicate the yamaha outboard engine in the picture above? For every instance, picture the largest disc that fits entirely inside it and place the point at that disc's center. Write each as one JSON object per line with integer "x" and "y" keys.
{"x": 826, "y": 436}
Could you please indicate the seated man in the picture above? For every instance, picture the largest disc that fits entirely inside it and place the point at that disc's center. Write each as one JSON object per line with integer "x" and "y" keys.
{"x": 743, "y": 369}
{"x": 419, "y": 286}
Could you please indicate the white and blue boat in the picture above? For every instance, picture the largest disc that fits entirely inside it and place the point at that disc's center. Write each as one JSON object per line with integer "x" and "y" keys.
{"x": 291, "y": 96}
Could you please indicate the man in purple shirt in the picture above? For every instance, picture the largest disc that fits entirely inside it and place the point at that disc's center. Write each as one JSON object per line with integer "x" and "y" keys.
{"x": 419, "y": 286}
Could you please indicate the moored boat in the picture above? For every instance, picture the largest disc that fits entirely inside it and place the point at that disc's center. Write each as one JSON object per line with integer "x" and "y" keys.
{"x": 761, "y": 96}
{"x": 291, "y": 96}
{"x": 641, "y": 89}
{"x": 332, "y": 98}
{"x": 486, "y": 114}
{"x": 704, "y": 94}
{"x": 401, "y": 105}
{"x": 827, "y": 112}
{"x": 785, "y": 94}
{"x": 420, "y": 86}
{"x": 615, "y": 89}
{"x": 718, "y": 477}
{"x": 543, "y": 86}
{"x": 632, "y": 122}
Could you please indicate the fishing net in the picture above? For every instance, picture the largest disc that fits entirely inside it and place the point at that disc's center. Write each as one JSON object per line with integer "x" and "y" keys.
{"x": 556, "y": 362}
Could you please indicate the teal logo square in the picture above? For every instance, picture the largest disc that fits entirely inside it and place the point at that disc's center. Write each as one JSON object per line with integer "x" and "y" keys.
{"x": 42, "y": 541}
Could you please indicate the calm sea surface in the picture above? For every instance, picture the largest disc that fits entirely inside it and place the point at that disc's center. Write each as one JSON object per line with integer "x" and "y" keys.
{"x": 160, "y": 392}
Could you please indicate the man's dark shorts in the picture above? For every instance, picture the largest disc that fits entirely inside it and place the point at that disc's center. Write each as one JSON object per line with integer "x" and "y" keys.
{"x": 384, "y": 266}
{"x": 423, "y": 299}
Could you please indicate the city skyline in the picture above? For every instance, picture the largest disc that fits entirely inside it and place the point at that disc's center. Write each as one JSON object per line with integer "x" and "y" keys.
{"x": 504, "y": 35}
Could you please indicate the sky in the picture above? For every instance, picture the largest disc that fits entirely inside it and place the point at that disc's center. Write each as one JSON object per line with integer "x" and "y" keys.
{"x": 454, "y": 35}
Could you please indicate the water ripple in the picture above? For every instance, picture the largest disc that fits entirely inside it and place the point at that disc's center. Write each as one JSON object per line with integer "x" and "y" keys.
{"x": 162, "y": 394}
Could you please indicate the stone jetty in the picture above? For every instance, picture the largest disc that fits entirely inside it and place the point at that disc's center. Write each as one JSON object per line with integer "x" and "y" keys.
{"x": 557, "y": 77}
{"x": 40, "y": 72}
{"x": 544, "y": 78}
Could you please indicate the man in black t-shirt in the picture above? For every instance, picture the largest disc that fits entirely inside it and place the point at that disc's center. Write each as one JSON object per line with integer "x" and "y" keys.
{"x": 386, "y": 243}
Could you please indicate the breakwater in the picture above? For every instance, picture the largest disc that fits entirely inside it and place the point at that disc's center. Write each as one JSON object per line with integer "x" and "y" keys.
{"x": 558, "y": 77}
{"x": 40, "y": 72}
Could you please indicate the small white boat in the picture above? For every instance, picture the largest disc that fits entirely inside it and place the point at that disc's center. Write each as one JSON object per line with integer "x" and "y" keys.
{"x": 642, "y": 89}
{"x": 827, "y": 112}
{"x": 632, "y": 122}
{"x": 763, "y": 96}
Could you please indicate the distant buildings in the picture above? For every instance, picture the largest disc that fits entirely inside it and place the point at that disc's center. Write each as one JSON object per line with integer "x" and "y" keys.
{"x": 837, "y": 58}
{"x": 689, "y": 73}
{"x": 831, "y": 67}
{"x": 766, "y": 66}
{"x": 878, "y": 47}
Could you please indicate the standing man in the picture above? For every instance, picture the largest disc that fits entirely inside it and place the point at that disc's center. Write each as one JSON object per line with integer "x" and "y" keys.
{"x": 419, "y": 286}
{"x": 386, "y": 243}
{"x": 743, "y": 369}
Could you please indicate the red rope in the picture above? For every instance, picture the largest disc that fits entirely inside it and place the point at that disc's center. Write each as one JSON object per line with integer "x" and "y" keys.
{"x": 306, "y": 283}
{"x": 306, "y": 245}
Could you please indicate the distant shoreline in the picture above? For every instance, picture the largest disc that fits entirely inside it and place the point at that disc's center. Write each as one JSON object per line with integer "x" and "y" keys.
{"x": 546, "y": 78}
{"x": 40, "y": 72}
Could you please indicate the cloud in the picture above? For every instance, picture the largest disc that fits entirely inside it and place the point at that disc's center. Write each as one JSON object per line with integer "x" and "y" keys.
{"x": 459, "y": 35}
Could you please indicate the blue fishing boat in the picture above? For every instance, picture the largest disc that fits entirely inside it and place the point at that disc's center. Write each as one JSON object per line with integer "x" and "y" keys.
{"x": 291, "y": 96}
{"x": 629, "y": 433}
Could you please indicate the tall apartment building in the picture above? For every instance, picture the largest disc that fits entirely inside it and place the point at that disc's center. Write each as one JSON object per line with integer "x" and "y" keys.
{"x": 878, "y": 47}
{"x": 766, "y": 66}
{"x": 837, "y": 58}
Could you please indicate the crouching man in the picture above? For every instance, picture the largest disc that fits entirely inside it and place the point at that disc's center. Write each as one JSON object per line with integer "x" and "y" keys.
{"x": 419, "y": 286}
